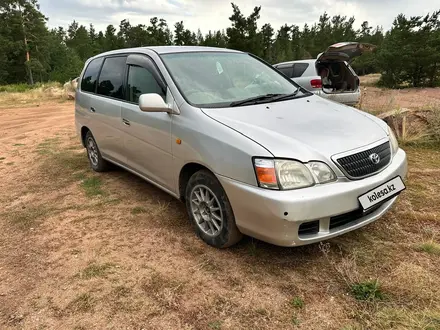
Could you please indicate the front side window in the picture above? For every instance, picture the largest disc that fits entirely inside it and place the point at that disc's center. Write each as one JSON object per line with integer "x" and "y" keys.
{"x": 88, "y": 82}
{"x": 218, "y": 79}
{"x": 141, "y": 81}
{"x": 112, "y": 77}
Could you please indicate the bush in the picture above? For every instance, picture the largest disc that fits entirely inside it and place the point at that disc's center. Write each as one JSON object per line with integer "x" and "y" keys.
{"x": 16, "y": 88}
{"x": 367, "y": 290}
{"x": 21, "y": 88}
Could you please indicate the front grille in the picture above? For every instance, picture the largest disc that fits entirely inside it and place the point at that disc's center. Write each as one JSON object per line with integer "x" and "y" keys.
{"x": 359, "y": 165}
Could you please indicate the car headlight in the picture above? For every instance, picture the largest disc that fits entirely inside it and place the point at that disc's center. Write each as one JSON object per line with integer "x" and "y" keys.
{"x": 293, "y": 175}
{"x": 393, "y": 141}
{"x": 290, "y": 174}
{"x": 321, "y": 172}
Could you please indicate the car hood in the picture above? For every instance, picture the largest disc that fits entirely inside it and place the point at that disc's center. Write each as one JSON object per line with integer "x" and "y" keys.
{"x": 305, "y": 128}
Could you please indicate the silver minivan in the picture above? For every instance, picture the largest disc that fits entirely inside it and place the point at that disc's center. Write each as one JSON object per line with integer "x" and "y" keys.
{"x": 330, "y": 75}
{"x": 248, "y": 150}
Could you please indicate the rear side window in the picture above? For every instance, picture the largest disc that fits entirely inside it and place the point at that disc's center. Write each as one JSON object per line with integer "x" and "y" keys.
{"x": 299, "y": 69}
{"x": 287, "y": 70}
{"x": 141, "y": 81}
{"x": 111, "y": 79}
{"x": 88, "y": 83}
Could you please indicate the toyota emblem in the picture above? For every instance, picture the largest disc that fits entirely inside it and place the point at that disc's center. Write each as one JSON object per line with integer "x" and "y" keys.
{"x": 375, "y": 158}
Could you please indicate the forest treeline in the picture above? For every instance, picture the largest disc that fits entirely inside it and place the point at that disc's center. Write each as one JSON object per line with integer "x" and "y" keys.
{"x": 409, "y": 53}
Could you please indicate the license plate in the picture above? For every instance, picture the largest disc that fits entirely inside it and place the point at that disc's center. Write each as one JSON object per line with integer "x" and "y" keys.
{"x": 382, "y": 193}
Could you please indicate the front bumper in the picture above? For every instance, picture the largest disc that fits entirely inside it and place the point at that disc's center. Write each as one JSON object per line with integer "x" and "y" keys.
{"x": 275, "y": 216}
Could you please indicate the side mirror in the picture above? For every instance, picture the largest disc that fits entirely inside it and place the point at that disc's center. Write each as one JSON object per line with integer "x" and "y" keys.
{"x": 153, "y": 103}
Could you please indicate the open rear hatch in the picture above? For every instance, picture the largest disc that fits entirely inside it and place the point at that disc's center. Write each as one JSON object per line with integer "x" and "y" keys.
{"x": 333, "y": 67}
{"x": 345, "y": 51}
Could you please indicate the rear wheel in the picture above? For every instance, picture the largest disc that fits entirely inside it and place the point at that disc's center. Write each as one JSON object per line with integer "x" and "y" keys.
{"x": 210, "y": 211}
{"x": 97, "y": 163}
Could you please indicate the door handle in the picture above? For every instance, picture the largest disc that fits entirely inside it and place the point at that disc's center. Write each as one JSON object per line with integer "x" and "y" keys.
{"x": 126, "y": 122}
{"x": 92, "y": 109}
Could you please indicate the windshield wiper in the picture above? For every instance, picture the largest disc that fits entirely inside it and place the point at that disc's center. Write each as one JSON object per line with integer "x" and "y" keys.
{"x": 256, "y": 99}
{"x": 286, "y": 96}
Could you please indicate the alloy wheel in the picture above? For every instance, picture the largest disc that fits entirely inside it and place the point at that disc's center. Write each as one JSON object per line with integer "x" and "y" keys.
{"x": 206, "y": 210}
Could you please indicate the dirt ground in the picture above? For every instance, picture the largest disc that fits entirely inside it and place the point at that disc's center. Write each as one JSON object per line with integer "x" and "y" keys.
{"x": 80, "y": 250}
{"x": 376, "y": 99}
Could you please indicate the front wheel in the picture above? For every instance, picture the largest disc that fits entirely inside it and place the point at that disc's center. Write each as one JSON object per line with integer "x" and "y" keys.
{"x": 210, "y": 211}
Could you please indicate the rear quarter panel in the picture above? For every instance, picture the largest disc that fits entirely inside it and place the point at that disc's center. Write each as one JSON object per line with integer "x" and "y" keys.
{"x": 82, "y": 117}
{"x": 309, "y": 74}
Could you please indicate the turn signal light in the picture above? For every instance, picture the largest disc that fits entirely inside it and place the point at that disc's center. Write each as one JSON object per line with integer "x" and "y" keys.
{"x": 316, "y": 83}
{"x": 265, "y": 170}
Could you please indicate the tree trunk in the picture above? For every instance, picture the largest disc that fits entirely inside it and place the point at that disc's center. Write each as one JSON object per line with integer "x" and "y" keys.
{"x": 28, "y": 60}
{"x": 28, "y": 57}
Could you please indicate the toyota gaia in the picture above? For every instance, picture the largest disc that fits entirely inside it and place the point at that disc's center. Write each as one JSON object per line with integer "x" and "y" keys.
{"x": 247, "y": 149}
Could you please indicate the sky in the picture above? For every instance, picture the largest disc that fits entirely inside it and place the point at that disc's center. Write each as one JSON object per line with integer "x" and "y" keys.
{"x": 213, "y": 14}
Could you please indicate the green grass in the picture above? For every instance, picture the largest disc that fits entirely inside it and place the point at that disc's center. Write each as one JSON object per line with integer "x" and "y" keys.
{"x": 295, "y": 321}
{"x": 82, "y": 304}
{"x": 16, "y": 88}
{"x": 48, "y": 146}
{"x": 92, "y": 186}
{"x": 297, "y": 302}
{"x": 368, "y": 291}
{"x": 430, "y": 247}
{"x": 121, "y": 291}
{"x": 252, "y": 248}
{"x": 138, "y": 210}
{"x": 19, "y": 145}
{"x": 80, "y": 176}
{"x": 60, "y": 169}
{"x": 216, "y": 325}
{"x": 95, "y": 270}
{"x": 21, "y": 88}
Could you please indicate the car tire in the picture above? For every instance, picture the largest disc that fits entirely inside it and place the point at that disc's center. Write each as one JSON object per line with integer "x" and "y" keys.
{"x": 97, "y": 163}
{"x": 210, "y": 211}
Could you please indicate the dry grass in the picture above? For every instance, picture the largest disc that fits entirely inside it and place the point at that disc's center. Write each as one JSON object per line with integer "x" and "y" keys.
{"x": 28, "y": 217}
{"x": 129, "y": 257}
{"x": 379, "y": 100}
{"x": 415, "y": 112}
{"x": 430, "y": 247}
{"x": 81, "y": 304}
{"x": 370, "y": 80}
{"x": 44, "y": 93}
{"x": 95, "y": 270}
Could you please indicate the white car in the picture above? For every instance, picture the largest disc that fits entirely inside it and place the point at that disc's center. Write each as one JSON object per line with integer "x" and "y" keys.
{"x": 330, "y": 75}
{"x": 248, "y": 150}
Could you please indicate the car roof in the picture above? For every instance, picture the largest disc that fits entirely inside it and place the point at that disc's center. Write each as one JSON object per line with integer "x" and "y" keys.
{"x": 297, "y": 61}
{"x": 167, "y": 50}
{"x": 186, "y": 49}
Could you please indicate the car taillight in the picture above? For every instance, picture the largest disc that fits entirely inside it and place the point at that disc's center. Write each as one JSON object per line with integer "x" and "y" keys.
{"x": 316, "y": 83}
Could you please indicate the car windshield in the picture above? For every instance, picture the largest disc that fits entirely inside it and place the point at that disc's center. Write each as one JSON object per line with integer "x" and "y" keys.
{"x": 222, "y": 79}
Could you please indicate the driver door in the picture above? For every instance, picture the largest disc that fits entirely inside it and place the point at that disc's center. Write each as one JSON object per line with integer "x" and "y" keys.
{"x": 147, "y": 138}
